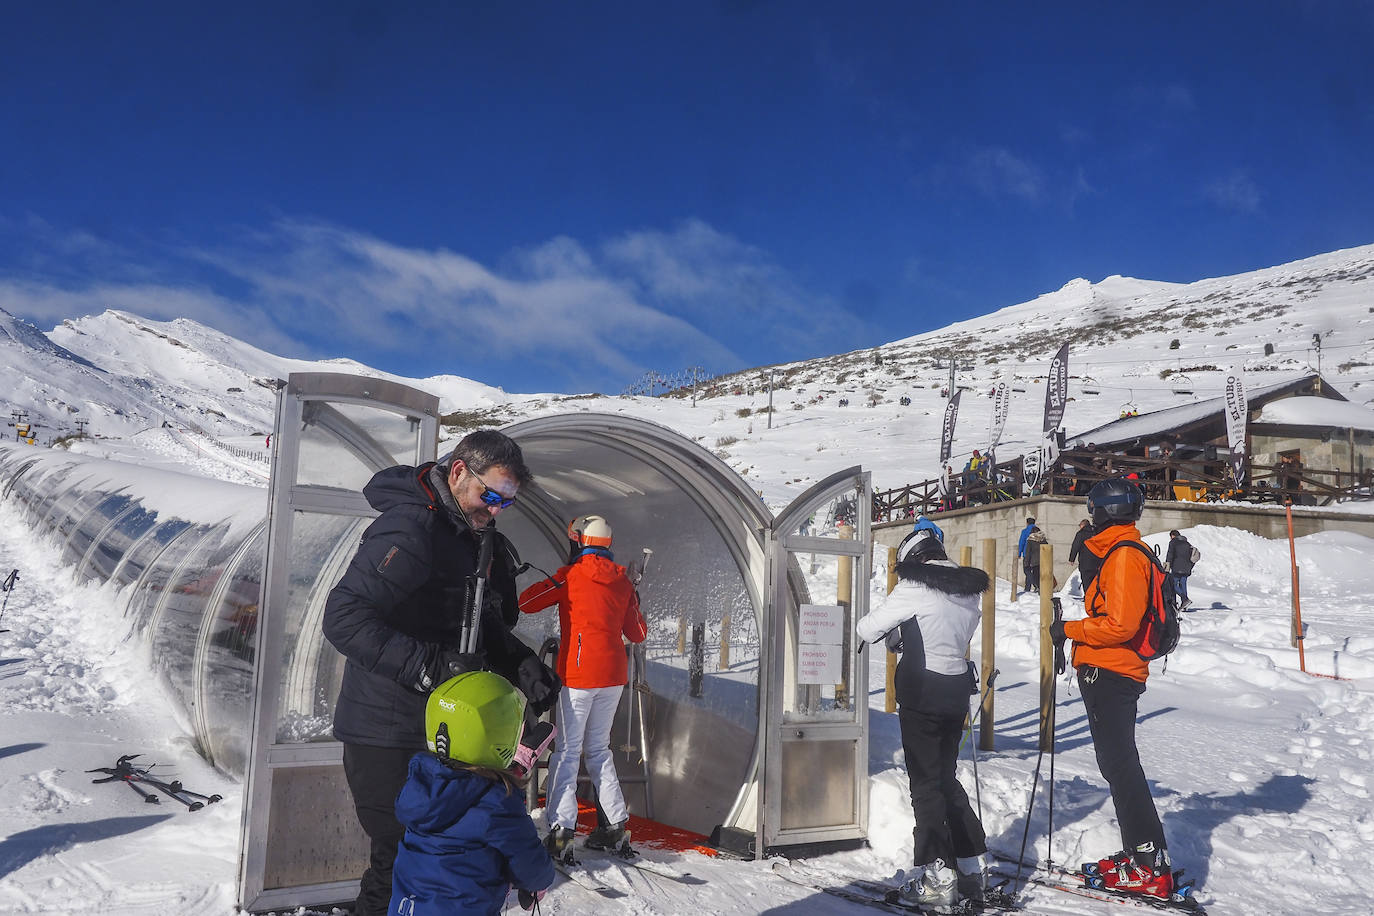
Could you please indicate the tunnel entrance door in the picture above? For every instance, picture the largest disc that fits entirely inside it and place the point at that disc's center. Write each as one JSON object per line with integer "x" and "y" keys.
{"x": 815, "y": 687}
{"x": 300, "y": 842}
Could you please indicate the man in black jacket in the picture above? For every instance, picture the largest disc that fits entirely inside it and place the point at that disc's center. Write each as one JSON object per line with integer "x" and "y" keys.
{"x": 1178, "y": 560}
{"x": 395, "y": 615}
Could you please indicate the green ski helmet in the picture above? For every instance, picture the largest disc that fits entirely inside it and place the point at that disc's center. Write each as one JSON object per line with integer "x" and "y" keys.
{"x": 475, "y": 718}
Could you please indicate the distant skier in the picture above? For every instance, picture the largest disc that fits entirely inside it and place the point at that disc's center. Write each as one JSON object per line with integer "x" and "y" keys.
{"x": 1034, "y": 541}
{"x": 468, "y": 838}
{"x": 929, "y": 618}
{"x": 1111, "y": 677}
{"x": 1178, "y": 560}
{"x": 1021, "y": 546}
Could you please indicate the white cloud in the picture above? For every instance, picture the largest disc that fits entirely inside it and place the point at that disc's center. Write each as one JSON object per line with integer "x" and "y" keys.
{"x": 997, "y": 172}
{"x": 1234, "y": 192}
{"x": 598, "y": 316}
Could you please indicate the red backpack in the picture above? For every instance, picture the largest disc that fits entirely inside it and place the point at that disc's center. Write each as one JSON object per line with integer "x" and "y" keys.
{"x": 1159, "y": 629}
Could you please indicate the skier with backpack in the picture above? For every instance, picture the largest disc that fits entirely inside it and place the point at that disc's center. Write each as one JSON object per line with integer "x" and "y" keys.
{"x": 1129, "y": 622}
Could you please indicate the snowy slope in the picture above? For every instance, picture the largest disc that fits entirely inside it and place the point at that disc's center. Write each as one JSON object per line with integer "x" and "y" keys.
{"x": 1261, "y": 772}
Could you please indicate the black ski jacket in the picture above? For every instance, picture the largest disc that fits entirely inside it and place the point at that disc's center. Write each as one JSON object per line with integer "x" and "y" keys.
{"x": 401, "y": 596}
{"x": 1179, "y": 556}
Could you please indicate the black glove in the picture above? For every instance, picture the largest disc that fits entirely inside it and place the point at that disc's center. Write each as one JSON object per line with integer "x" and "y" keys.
{"x": 1057, "y": 637}
{"x": 442, "y": 663}
{"x": 539, "y": 683}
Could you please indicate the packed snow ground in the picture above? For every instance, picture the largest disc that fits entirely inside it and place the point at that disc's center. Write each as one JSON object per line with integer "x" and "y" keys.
{"x": 1261, "y": 772}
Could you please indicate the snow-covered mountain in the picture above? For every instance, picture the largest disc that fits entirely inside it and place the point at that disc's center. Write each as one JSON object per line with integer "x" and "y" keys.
{"x": 1137, "y": 343}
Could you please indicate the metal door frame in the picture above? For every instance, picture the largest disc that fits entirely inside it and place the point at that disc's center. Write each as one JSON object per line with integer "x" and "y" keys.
{"x": 781, "y": 545}
{"x": 302, "y": 395}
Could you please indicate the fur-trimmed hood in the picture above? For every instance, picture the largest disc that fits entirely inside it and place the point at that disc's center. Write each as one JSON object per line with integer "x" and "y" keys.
{"x": 945, "y": 576}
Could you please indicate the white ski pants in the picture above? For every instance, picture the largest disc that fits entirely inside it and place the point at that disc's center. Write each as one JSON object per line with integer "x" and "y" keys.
{"x": 585, "y": 716}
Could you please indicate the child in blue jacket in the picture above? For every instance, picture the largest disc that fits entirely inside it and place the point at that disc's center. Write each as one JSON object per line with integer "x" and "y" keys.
{"x": 468, "y": 838}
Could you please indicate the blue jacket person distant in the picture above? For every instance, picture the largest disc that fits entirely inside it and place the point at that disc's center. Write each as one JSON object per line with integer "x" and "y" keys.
{"x": 925, "y": 524}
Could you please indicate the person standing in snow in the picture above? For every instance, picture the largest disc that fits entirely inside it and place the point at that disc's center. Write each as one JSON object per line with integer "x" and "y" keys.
{"x": 597, "y": 605}
{"x": 1034, "y": 541}
{"x": 925, "y": 524}
{"x": 1111, "y": 678}
{"x": 468, "y": 838}
{"x": 1178, "y": 561}
{"x": 1021, "y": 547}
{"x": 1085, "y": 531}
{"x": 395, "y": 616}
{"x": 929, "y": 618}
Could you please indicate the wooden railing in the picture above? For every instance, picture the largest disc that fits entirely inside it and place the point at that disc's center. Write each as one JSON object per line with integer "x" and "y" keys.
{"x": 1163, "y": 478}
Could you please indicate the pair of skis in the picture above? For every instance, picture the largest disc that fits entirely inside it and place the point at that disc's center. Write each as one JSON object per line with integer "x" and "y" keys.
{"x": 1086, "y": 883}
{"x": 888, "y": 897}
{"x": 570, "y": 867}
{"x": 135, "y": 777}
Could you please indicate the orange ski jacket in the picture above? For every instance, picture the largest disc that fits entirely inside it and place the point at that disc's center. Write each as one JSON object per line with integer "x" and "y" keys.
{"x": 1115, "y": 602}
{"x": 597, "y": 605}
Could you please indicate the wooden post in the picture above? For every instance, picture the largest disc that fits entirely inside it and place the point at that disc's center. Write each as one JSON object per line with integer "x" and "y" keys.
{"x": 986, "y": 727}
{"x": 890, "y": 682}
{"x": 724, "y": 643}
{"x": 682, "y": 635}
{"x": 1015, "y": 573}
{"x": 1046, "y": 645}
{"x": 844, "y": 594}
{"x": 966, "y": 555}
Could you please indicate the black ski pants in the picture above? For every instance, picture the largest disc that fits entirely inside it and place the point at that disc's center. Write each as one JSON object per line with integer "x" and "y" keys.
{"x": 1111, "y": 702}
{"x": 375, "y": 776}
{"x": 946, "y": 826}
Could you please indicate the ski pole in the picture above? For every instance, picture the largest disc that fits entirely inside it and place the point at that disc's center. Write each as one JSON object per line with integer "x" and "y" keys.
{"x": 8, "y": 586}
{"x": 472, "y": 616}
{"x": 973, "y": 748}
{"x": 1059, "y": 666}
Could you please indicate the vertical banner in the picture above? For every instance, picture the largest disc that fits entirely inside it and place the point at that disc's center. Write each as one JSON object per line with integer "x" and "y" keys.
{"x": 1057, "y": 389}
{"x": 947, "y": 434}
{"x": 1237, "y": 413}
{"x": 1001, "y": 406}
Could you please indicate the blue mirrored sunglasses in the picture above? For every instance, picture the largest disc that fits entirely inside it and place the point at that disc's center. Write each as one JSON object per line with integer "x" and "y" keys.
{"x": 490, "y": 497}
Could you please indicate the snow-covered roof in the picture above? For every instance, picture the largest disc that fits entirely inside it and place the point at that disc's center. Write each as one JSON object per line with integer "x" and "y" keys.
{"x": 1158, "y": 423}
{"x": 1310, "y": 411}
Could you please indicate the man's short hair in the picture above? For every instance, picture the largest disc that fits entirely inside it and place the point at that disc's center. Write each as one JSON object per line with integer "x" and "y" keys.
{"x": 486, "y": 448}
{"x": 1173, "y": 533}
{"x": 1030, "y": 521}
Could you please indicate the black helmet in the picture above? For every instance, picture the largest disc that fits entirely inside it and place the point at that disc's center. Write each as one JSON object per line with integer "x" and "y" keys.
{"x": 921, "y": 546}
{"x": 1115, "y": 502}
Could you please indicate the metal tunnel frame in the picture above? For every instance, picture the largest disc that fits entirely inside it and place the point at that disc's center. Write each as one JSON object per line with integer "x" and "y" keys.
{"x": 224, "y": 586}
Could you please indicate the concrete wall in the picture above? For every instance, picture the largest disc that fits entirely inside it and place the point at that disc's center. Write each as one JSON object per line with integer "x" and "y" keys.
{"x": 1058, "y": 517}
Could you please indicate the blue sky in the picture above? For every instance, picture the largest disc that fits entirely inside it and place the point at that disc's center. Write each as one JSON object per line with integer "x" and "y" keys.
{"x": 562, "y": 196}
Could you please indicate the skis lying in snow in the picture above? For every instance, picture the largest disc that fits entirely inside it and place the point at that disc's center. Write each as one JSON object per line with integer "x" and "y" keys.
{"x": 578, "y": 875}
{"x": 886, "y": 896}
{"x": 628, "y": 855}
{"x": 137, "y": 776}
{"x": 1084, "y": 885}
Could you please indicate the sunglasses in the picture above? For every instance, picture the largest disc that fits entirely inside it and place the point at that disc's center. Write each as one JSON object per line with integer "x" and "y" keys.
{"x": 490, "y": 497}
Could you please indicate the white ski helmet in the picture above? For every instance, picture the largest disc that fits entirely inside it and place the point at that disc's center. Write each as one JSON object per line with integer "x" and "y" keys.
{"x": 590, "y": 531}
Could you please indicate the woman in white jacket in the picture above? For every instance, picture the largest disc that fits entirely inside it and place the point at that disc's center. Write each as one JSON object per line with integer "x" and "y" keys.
{"x": 929, "y": 618}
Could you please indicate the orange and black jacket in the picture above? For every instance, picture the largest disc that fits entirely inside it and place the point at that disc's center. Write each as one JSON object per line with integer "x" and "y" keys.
{"x": 597, "y": 605}
{"x": 1115, "y": 601}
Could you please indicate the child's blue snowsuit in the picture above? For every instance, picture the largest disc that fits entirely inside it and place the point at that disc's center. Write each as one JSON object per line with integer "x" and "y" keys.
{"x": 467, "y": 842}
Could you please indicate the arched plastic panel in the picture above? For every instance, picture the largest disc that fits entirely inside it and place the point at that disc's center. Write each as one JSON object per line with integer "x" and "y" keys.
{"x": 702, "y": 594}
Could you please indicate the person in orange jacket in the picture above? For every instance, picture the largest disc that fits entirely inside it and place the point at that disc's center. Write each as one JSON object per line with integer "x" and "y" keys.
{"x": 1111, "y": 677}
{"x": 597, "y": 605}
